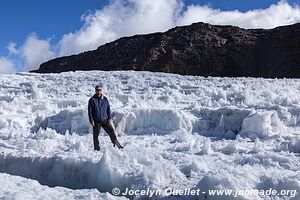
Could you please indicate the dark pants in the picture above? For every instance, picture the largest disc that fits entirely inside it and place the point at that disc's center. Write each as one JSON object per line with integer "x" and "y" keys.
{"x": 108, "y": 129}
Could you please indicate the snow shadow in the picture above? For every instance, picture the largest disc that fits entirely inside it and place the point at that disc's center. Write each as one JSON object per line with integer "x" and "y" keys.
{"x": 73, "y": 121}
{"x": 220, "y": 123}
{"x": 66, "y": 172}
{"x": 132, "y": 122}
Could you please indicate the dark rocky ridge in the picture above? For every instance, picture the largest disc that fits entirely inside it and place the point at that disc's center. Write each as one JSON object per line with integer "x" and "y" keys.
{"x": 197, "y": 49}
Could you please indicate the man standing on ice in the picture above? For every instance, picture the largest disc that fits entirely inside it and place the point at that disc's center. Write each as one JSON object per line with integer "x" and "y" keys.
{"x": 100, "y": 116}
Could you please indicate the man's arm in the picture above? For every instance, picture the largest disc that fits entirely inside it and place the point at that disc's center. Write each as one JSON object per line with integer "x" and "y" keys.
{"x": 90, "y": 108}
{"x": 108, "y": 112}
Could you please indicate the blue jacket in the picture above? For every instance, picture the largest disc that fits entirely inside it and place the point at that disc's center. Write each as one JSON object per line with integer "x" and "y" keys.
{"x": 98, "y": 108}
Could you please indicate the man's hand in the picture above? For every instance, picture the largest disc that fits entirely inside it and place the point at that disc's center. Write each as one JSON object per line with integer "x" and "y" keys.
{"x": 93, "y": 123}
{"x": 109, "y": 121}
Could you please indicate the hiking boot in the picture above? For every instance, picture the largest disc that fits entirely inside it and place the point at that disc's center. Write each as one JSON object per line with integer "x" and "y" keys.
{"x": 118, "y": 144}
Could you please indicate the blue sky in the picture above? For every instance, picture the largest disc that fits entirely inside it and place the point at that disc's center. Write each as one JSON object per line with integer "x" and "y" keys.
{"x": 48, "y": 18}
{"x": 52, "y": 25}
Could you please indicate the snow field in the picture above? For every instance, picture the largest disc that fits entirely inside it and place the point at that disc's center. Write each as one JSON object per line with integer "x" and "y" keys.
{"x": 178, "y": 131}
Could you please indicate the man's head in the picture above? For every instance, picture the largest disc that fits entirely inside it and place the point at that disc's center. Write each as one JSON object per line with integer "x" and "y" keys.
{"x": 98, "y": 90}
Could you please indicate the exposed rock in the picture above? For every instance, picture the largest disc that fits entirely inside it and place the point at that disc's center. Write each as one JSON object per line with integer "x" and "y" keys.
{"x": 197, "y": 49}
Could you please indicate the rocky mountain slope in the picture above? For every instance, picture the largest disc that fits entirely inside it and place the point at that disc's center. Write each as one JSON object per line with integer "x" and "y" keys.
{"x": 197, "y": 49}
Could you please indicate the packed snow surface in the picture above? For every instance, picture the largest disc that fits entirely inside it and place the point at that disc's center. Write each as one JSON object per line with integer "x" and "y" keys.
{"x": 178, "y": 131}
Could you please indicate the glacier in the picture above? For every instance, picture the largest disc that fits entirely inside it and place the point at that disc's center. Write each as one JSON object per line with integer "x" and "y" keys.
{"x": 178, "y": 132}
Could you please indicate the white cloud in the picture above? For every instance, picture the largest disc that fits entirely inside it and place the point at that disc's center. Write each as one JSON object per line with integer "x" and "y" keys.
{"x": 35, "y": 51}
{"x": 6, "y": 66}
{"x": 12, "y": 48}
{"x": 120, "y": 18}
{"x": 276, "y": 15}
